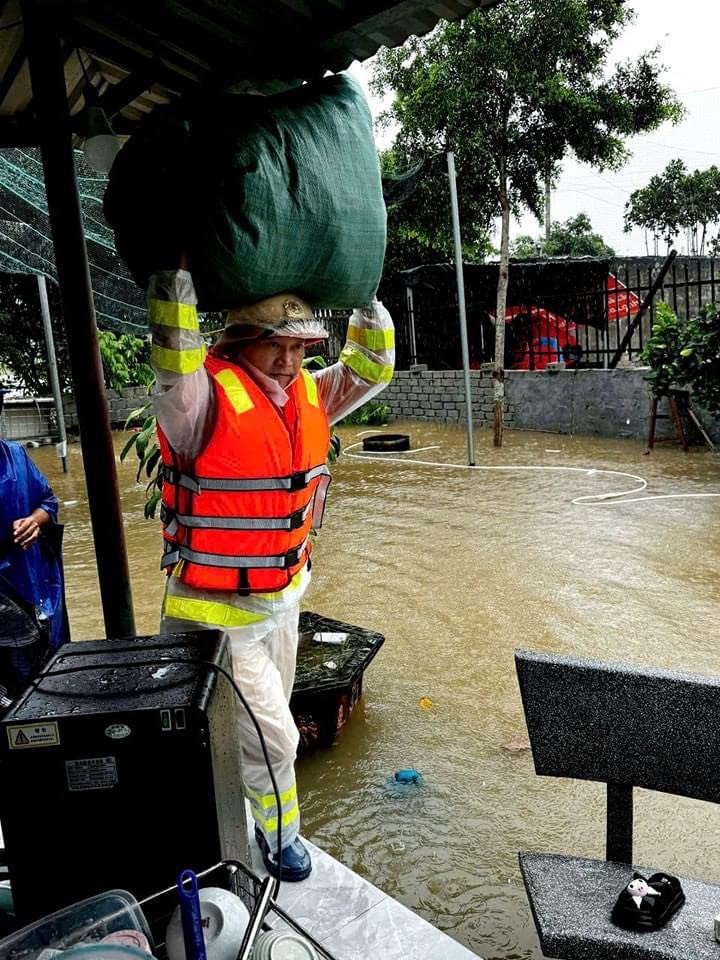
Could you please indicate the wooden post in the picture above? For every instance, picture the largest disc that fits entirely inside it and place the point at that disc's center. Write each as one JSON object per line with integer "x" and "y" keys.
{"x": 45, "y": 57}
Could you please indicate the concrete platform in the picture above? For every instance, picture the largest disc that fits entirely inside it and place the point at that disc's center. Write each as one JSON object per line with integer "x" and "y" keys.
{"x": 353, "y": 919}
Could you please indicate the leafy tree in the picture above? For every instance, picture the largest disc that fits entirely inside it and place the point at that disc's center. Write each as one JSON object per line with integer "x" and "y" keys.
{"x": 511, "y": 90}
{"x": 676, "y": 200}
{"x": 686, "y": 354}
{"x": 23, "y": 353}
{"x": 419, "y": 223}
{"x": 573, "y": 238}
{"x": 125, "y": 359}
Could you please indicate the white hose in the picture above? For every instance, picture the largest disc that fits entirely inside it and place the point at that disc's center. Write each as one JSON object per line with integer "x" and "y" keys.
{"x": 593, "y": 499}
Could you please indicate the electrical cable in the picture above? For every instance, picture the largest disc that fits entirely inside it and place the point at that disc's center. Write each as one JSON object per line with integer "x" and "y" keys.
{"x": 141, "y": 648}
{"x": 592, "y": 499}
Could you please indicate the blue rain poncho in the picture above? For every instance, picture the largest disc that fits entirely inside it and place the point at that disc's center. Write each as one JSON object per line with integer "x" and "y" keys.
{"x": 34, "y": 575}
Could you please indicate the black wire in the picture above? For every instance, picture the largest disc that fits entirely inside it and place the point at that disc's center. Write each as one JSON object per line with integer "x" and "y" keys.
{"x": 206, "y": 663}
{"x": 9, "y": 26}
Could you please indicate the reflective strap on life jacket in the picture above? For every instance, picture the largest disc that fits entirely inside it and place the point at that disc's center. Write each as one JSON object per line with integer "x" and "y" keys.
{"x": 292, "y": 483}
{"x": 311, "y": 389}
{"x": 207, "y": 611}
{"x": 364, "y": 367}
{"x": 173, "y": 521}
{"x": 175, "y": 552}
{"x": 234, "y": 390}
{"x": 374, "y": 340}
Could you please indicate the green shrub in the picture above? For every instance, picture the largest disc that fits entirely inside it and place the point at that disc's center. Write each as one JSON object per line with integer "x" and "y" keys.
{"x": 685, "y": 355}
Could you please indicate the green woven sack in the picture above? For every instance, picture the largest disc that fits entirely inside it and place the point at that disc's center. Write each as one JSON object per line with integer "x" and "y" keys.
{"x": 266, "y": 193}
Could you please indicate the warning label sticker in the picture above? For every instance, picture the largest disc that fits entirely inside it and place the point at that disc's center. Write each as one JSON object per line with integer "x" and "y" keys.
{"x": 33, "y": 735}
{"x": 96, "y": 773}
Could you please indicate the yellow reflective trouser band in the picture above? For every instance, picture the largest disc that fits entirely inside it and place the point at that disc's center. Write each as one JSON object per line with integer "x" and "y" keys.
{"x": 366, "y": 368}
{"x": 270, "y": 824}
{"x": 177, "y": 361}
{"x": 166, "y": 314}
{"x": 205, "y": 611}
{"x": 260, "y": 804}
{"x": 234, "y": 391}
{"x": 267, "y": 800}
{"x": 372, "y": 339}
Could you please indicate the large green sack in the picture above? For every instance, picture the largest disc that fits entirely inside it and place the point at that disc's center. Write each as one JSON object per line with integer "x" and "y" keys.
{"x": 266, "y": 194}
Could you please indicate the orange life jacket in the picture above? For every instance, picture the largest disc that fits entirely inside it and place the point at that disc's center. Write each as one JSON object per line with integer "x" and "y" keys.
{"x": 239, "y": 516}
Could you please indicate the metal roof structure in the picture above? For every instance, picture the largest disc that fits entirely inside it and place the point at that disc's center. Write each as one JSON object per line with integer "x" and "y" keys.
{"x": 138, "y": 55}
{"x": 59, "y": 56}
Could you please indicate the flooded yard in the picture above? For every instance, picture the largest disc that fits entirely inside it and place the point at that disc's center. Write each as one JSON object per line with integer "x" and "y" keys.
{"x": 457, "y": 568}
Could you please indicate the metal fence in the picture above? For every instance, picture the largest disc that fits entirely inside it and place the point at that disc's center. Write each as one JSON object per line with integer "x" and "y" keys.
{"x": 557, "y": 310}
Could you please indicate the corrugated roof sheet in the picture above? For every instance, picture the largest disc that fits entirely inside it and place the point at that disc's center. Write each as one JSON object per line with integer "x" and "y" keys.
{"x": 141, "y": 54}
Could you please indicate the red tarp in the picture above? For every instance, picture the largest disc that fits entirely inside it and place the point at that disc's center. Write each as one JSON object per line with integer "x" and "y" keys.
{"x": 621, "y": 301}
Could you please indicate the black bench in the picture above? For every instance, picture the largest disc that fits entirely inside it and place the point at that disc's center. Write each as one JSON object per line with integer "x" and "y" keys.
{"x": 582, "y": 717}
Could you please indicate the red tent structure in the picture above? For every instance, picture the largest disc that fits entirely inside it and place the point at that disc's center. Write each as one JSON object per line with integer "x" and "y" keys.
{"x": 621, "y": 301}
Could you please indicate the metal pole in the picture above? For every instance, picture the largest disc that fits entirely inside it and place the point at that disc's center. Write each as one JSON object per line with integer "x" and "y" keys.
{"x": 547, "y": 208}
{"x": 461, "y": 303}
{"x": 410, "y": 301}
{"x": 60, "y": 447}
{"x": 43, "y": 23}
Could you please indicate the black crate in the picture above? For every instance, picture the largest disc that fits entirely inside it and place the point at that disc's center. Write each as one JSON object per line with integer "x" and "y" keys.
{"x": 322, "y": 698}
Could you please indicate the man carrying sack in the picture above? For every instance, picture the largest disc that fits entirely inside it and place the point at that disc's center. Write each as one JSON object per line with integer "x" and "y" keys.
{"x": 244, "y": 432}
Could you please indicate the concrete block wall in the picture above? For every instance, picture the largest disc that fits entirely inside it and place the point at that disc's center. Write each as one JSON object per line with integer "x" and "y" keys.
{"x": 609, "y": 403}
{"x": 439, "y": 395}
{"x": 120, "y": 405}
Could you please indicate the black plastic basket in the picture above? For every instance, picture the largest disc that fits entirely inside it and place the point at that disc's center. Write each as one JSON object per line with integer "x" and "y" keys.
{"x": 231, "y": 875}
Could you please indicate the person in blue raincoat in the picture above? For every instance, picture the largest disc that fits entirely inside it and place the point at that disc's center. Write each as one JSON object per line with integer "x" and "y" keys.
{"x": 30, "y": 563}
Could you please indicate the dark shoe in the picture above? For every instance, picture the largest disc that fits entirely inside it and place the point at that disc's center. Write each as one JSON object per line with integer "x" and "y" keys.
{"x": 295, "y": 863}
{"x": 648, "y": 904}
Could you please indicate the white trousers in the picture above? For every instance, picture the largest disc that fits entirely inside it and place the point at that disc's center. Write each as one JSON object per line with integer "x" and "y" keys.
{"x": 263, "y": 660}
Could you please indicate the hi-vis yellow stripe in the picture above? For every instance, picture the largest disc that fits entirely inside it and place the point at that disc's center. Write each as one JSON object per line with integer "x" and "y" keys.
{"x": 293, "y": 585}
{"x": 270, "y": 824}
{"x": 370, "y": 371}
{"x": 177, "y": 361}
{"x": 166, "y": 314}
{"x": 266, "y": 801}
{"x": 372, "y": 339}
{"x": 311, "y": 389}
{"x": 205, "y": 611}
{"x": 235, "y": 391}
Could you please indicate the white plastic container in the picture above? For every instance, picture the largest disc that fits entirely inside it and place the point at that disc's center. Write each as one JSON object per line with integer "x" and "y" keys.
{"x": 86, "y": 922}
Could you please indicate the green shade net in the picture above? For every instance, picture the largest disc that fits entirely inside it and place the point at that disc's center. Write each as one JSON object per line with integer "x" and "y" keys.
{"x": 26, "y": 241}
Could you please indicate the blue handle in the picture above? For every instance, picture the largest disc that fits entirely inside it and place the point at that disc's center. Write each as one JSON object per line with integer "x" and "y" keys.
{"x": 191, "y": 916}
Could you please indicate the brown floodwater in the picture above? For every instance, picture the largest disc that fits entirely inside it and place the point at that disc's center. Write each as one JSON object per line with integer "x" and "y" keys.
{"x": 457, "y": 568}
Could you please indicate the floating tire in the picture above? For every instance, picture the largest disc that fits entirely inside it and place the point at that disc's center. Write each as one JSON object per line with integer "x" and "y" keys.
{"x": 386, "y": 442}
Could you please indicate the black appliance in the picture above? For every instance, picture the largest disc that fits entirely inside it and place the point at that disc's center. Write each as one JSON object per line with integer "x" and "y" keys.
{"x": 123, "y": 772}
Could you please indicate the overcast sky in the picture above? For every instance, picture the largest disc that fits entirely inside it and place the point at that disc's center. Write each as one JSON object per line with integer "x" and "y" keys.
{"x": 689, "y": 37}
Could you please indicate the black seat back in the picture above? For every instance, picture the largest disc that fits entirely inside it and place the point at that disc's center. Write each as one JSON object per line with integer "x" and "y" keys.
{"x": 622, "y": 724}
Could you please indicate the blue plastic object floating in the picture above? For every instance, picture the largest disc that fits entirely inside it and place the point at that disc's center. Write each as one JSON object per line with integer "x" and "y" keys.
{"x": 191, "y": 915}
{"x": 407, "y": 776}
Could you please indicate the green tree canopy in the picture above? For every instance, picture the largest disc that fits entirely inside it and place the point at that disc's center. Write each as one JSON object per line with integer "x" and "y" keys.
{"x": 573, "y": 238}
{"x": 23, "y": 352}
{"x": 676, "y": 200}
{"x": 511, "y": 90}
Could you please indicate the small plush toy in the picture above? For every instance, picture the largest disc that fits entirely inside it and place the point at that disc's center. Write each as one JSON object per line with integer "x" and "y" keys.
{"x": 638, "y": 889}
